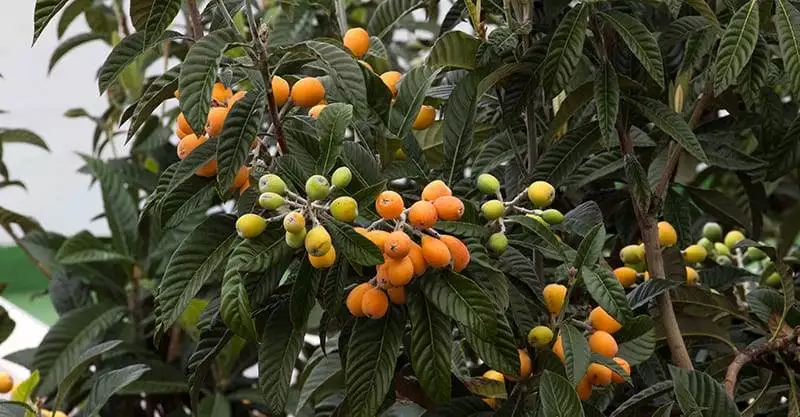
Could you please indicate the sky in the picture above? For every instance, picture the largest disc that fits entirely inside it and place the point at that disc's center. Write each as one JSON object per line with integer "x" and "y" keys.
{"x": 57, "y": 196}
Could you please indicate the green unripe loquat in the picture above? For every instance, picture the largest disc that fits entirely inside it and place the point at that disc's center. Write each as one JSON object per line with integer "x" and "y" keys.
{"x": 294, "y": 222}
{"x": 488, "y": 184}
{"x": 270, "y": 200}
{"x": 632, "y": 254}
{"x": 712, "y": 231}
{"x": 296, "y": 240}
{"x": 341, "y": 177}
{"x": 694, "y": 254}
{"x": 271, "y": 183}
{"x": 724, "y": 260}
{"x": 552, "y": 216}
{"x": 493, "y": 209}
{"x": 755, "y": 254}
{"x": 317, "y": 188}
{"x": 733, "y": 237}
{"x": 498, "y": 242}
{"x": 706, "y": 243}
{"x": 540, "y": 336}
{"x": 773, "y": 280}
{"x": 721, "y": 249}
{"x": 344, "y": 209}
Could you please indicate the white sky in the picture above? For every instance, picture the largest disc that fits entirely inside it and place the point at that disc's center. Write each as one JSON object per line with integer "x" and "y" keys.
{"x": 57, "y": 195}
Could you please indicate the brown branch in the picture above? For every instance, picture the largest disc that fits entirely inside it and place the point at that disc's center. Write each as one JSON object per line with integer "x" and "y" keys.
{"x": 261, "y": 57}
{"x": 133, "y": 300}
{"x": 675, "y": 150}
{"x": 43, "y": 269}
{"x": 194, "y": 18}
{"x": 655, "y": 265}
{"x": 123, "y": 20}
{"x": 745, "y": 356}
{"x": 174, "y": 347}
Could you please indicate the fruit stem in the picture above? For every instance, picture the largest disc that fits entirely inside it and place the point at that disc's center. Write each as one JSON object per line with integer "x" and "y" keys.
{"x": 517, "y": 198}
{"x": 296, "y": 197}
{"x": 523, "y": 209}
{"x": 582, "y": 324}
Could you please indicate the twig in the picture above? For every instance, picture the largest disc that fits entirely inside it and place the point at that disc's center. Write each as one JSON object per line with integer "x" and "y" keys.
{"x": 194, "y": 17}
{"x": 123, "y": 21}
{"x": 174, "y": 347}
{"x": 18, "y": 242}
{"x": 533, "y": 145}
{"x": 133, "y": 300}
{"x": 655, "y": 265}
{"x": 262, "y": 57}
{"x": 744, "y": 356}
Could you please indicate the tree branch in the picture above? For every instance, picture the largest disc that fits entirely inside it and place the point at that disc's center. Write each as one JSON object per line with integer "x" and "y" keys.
{"x": 745, "y": 356}
{"x": 655, "y": 265}
{"x": 18, "y": 242}
{"x": 262, "y": 58}
{"x": 194, "y": 18}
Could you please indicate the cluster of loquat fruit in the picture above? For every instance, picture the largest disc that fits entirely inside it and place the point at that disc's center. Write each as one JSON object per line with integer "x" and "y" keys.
{"x": 540, "y": 193}
{"x": 404, "y": 258}
{"x": 293, "y": 209}
{"x": 600, "y": 328}
{"x": 357, "y": 41}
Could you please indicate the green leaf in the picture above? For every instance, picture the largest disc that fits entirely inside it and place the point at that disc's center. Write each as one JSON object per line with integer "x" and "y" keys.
{"x": 670, "y": 123}
{"x": 469, "y": 406}
{"x": 459, "y": 126}
{"x": 26, "y": 388}
{"x": 388, "y": 13}
{"x": 566, "y": 49}
{"x": 240, "y": 127}
{"x": 69, "y": 338}
{"x": 604, "y": 288}
{"x": 355, "y": 248}
{"x": 410, "y": 96}
{"x": 648, "y": 290}
{"x": 199, "y": 73}
{"x": 84, "y": 248}
{"x": 71, "y": 12}
{"x": 787, "y": 25}
{"x": 606, "y": 98}
{"x": 106, "y": 385}
{"x": 326, "y": 378}
{"x": 331, "y": 127}
{"x": 371, "y": 354}
{"x": 153, "y": 16}
{"x": 430, "y": 348}
{"x": 162, "y": 88}
{"x": 45, "y": 11}
{"x": 754, "y": 75}
{"x": 80, "y": 368}
{"x": 699, "y": 393}
{"x": 200, "y": 257}
{"x": 27, "y": 224}
{"x": 281, "y": 343}
{"x": 547, "y": 239}
{"x": 70, "y": 44}
{"x": 459, "y": 228}
{"x": 214, "y": 406}
{"x": 572, "y": 104}
{"x": 642, "y": 396}
{"x": 21, "y": 136}
{"x": 256, "y": 255}
{"x": 736, "y": 45}
{"x": 497, "y": 350}
{"x": 303, "y": 293}
{"x": 558, "y": 396}
{"x": 702, "y": 7}
{"x": 640, "y": 348}
{"x": 213, "y": 340}
{"x": 637, "y": 180}
{"x": 125, "y": 53}
{"x": 121, "y": 209}
{"x": 461, "y": 299}
{"x": 639, "y": 40}
{"x": 454, "y": 50}
{"x": 590, "y": 249}
{"x": 576, "y": 353}
{"x": 345, "y": 72}
{"x": 718, "y": 205}
{"x": 558, "y": 163}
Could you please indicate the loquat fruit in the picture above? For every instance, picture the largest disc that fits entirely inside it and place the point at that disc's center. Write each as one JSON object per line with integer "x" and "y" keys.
{"x": 493, "y": 209}
{"x": 459, "y": 253}
{"x": 399, "y": 272}
{"x": 558, "y": 348}
{"x": 599, "y": 375}
{"x": 317, "y": 188}
{"x": 208, "y": 170}
{"x": 271, "y": 183}
{"x": 425, "y": 117}
{"x": 552, "y": 216}
{"x": 308, "y": 92}
{"x": 712, "y": 231}
{"x": 341, "y": 177}
{"x": 6, "y": 382}
{"x": 296, "y": 240}
{"x": 378, "y": 237}
{"x": 397, "y": 245}
{"x": 541, "y": 194}
{"x": 344, "y": 209}
{"x": 540, "y": 336}
{"x": 357, "y": 41}
{"x": 397, "y": 295}
{"x": 250, "y": 225}
{"x": 325, "y": 261}
{"x": 626, "y": 276}
{"x": 391, "y": 79}
{"x": 280, "y": 90}
{"x": 188, "y": 144}
{"x": 617, "y": 378}
{"x": 318, "y": 241}
{"x": 356, "y": 297}
{"x": 694, "y": 254}
{"x": 417, "y": 259}
{"x": 632, "y": 254}
{"x": 554, "y": 297}
{"x": 691, "y": 275}
{"x": 434, "y": 190}
{"x": 603, "y": 343}
{"x": 422, "y": 215}
{"x": 220, "y": 93}
{"x": 449, "y": 208}
{"x": 182, "y": 124}
{"x": 242, "y": 176}
{"x": 271, "y": 201}
{"x": 667, "y": 236}
{"x": 488, "y": 184}
{"x": 584, "y": 388}
{"x": 294, "y": 222}
{"x": 435, "y": 252}
{"x": 601, "y": 320}
{"x": 374, "y": 303}
{"x": 389, "y": 205}
{"x": 498, "y": 242}
{"x": 732, "y": 238}
{"x": 216, "y": 120}
{"x": 315, "y": 111}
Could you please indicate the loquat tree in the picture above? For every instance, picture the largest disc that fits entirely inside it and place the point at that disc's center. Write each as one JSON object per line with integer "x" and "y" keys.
{"x": 554, "y": 208}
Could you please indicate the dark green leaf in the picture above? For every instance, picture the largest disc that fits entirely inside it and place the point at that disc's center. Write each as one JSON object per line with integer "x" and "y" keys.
{"x": 162, "y": 88}
{"x": 604, "y": 288}
{"x": 736, "y": 45}
{"x": 216, "y": 405}
{"x": 388, "y": 13}
{"x": 70, "y": 44}
{"x": 153, "y": 16}
{"x": 787, "y": 25}
{"x": 331, "y": 127}
{"x": 566, "y": 48}
{"x": 410, "y": 97}
{"x": 45, "y": 11}
{"x": 558, "y": 396}
{"x": 125, "y": 53}
{"x": 345, "y": 73}
{"x": 576, "y": 353}
{"x": 670, "y": 123}
{"x": 198, "y": 74}
{"x": 699, "y": 393}
{"x": 454, "y": 50}
{"x": 639, "y": 40}
{"x": 590, "y": 249}
{"x": 107, "y": 384}
{"x": 606, "y": 98}
{"x": 80, "y": 368}
{"x": 461, "y": 299}
{"x": 548, "y": 240}
{"x": 430, "y": 348}
{"x": 642, "y": 396}
{"x": 459, "y": 128}
{"x": 497, "y": 350}
{"x": 240, "y": 127}
{"x": 460, "y": 407}
{"x": 22, "y": 136}
{"x": 718, "y": 205}
{"x": 558, "y": 163}
{"x": 280, "y": 345}
{"x": 353, "y": 246}
{"x": 637, "y": 180}
{"x": 648, "y": 290}
{"x": 371, "y": 354}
